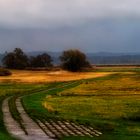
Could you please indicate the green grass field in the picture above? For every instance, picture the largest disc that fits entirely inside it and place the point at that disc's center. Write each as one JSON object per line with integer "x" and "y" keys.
{"x": 110, "y": 104}
{"x": 14, "y": 89}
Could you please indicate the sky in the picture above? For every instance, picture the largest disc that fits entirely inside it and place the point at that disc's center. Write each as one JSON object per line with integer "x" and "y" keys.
{"x": 56, "y": 25}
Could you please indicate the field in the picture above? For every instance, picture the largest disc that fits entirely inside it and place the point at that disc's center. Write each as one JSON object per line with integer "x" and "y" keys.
{"x": 23, "y": 76}
{"x": 6, "y": 90}
{"x": 108, "y": 99}
{"x": 104, "y": 103}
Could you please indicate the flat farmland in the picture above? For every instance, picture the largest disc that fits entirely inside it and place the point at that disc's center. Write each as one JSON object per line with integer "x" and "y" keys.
{"x": 111, "y": 103}
{"x": 106, "y": 99}
{"x": 22, "y": 76}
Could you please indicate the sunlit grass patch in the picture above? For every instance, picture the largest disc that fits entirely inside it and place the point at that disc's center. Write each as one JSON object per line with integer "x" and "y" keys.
{"x": 117, "y": 84}
{"x": 110, "y": 103}
{"x": 118, "y": 69}
{"x": 95, "y": 107}
{"x": 26, "y": 76}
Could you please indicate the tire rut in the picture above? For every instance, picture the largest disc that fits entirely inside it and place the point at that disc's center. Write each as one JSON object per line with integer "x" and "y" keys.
{"x": 11, "y": 125}
{"x": 41, "y": 130}
{"x": 34, "y": 131}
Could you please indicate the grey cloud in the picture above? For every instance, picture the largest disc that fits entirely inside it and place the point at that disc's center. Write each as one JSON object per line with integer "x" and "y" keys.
{"x": 102, "y": 35}
{"x": 55, "y": 25}
{"x": 51, "y": 13}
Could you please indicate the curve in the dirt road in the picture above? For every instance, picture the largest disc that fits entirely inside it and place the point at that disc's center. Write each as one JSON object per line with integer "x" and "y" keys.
{"x": 41, "y": 130}
{"x": 12, "y": 126}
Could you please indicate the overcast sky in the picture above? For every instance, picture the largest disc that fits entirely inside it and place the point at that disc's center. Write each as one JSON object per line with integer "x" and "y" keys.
{"x": 55, "y": 25}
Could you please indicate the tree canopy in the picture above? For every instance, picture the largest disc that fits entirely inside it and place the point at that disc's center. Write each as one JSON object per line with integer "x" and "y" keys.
{"x": 19, "y": 60}
{"x": 42, "y": 60}
{"x": 73, "y": 60}
{"x": 16, "y": 59}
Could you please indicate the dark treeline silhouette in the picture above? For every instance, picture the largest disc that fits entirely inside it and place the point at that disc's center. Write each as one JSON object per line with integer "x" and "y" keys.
{"x": 19, "y": 60}
{"x": 42, "y": 60}
{"x": 15, "y": 60}
{"x": 71, "y": 60}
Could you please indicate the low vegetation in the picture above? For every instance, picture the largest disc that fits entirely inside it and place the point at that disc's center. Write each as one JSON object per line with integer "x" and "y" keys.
{"x": 4, "y": 72}
{"x": 108, "y": 101}
{"x": 104, "y": 103}
{"x": 26, "y": 76}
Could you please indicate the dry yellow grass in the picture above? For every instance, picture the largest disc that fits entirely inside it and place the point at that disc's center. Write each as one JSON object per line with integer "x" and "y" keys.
{"x": 24, "y": 76}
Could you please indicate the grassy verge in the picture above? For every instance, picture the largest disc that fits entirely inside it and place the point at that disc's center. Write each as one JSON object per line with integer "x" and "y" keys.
{"x": 117, "y": 69}
{"x": 33, "y": 103}
{"x": 14, "y": 90}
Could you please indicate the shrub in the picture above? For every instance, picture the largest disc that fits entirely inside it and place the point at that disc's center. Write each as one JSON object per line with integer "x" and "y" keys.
{"x": 134, "y": 117}
{"x": 4, "y": 72}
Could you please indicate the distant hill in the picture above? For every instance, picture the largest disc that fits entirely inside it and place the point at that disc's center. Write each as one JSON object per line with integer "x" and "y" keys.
{"x": 116, "y": 60}
{"x": 101, "y": 58}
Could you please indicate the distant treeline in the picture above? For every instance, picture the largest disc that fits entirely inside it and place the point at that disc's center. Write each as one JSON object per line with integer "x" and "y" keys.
{"x": 71, "y": 60}
{"x": 97, "y": 59}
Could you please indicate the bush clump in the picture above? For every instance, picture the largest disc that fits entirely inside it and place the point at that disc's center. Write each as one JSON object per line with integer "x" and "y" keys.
{"x": 74, "y": 60}
{"x": 4, "y": 72}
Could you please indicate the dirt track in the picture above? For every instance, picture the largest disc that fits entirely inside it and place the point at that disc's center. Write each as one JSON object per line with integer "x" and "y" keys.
{"x": 48, "y": 130}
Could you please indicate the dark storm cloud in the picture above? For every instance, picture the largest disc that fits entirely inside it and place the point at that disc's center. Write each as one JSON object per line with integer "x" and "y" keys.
{"x": 102, "y": 35}
{"x": 54, "y": 25}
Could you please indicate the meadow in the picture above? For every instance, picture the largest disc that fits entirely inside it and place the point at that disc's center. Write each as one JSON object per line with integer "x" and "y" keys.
{"x": 28, "y": 76}
{"x": 107, "y": 99}
{"x": 110, "y": 104}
